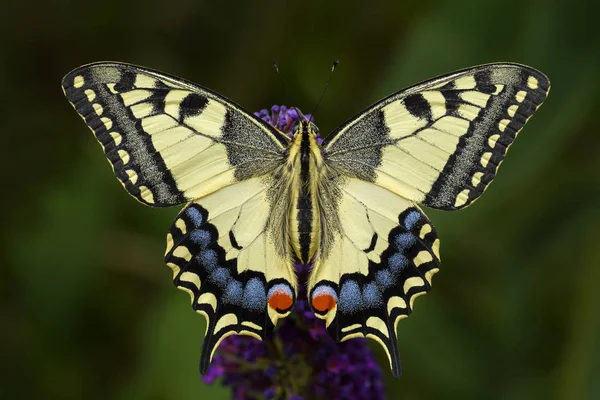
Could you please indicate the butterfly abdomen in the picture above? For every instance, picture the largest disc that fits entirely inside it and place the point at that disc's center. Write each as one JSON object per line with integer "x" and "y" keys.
{"x": 304, "y": 215}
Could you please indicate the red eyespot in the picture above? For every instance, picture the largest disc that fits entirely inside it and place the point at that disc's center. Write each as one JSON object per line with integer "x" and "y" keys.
{"x": 280, "y": 297}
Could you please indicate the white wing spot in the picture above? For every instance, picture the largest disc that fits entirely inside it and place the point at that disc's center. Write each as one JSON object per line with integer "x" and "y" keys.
{"x": 466, "y": 82}
{"x": 107, "y": 122}
{"x": 435, "y": 247}
{"x": 412, "y": 282}
{"x": 91, "y": 95}
{"x": 116, "y": 137}
{"x": 78, "y": 81}
{"x": 111, "y": 87}
{"x": 532, "y": 82}
{"x": 498, "y": 89}
{"x": 180, "y": 224}
{"x": 98, "y": 108}
{"x": 146, "y": 194}
{"x": 492, "y": 140}
{"x": 169, "y": 247}
{"x": 208, "y": 298}
{"x": 174, "y": 267}
{"x": 429, "y": 274}
{"x": 423, "y": 257}
{"x": 395, "y": 302}
{"x": 425, "y": 229}
{"x": 182, "y": 252}
{"x": 485, "y": 159}
{"x": 520, "y": 96}
{"x": 462, "y": 198}
{"x": 512, "y": 110}
{"x": 476, "y": 179}
{"x": 225, "y": 321}
{"x": 412, "y": 299}
{"x": 133, "y": 176}
{"x": 503, "y": 124}
{"x": 190, "y": 277}
{"x": 124, "y": 156}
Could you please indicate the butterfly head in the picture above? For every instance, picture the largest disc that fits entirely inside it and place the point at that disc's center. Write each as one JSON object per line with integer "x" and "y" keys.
{"x": 305, "y": 125}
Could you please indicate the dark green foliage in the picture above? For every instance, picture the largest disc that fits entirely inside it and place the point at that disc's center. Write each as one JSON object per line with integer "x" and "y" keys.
{"x": 87, "y": 307}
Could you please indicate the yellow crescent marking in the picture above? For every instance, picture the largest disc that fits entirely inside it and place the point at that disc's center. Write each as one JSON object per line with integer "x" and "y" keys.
{"x": 191, "y": 277}
{"x": 462, "y": 198}
{"x": 425, "y": 229}
{"x": 116, "y": 137}
{"x": 209, "y": 299}
{"x": 174, "y": 267}
{"x": 146, "y": 194}
{"x": 98, "y": 108}
{"x": 351, "y": 327}
{"x": 485, "y": 158}
{"x": 124, "y": 156}
{"x": 182, "y": 252}
{"x": 169, "y": 245}
{"x": 91, "y": 95}
{"x": 180, "y": 224}
{"x": 436, "y": 248}
{"x": 520, "y": 96}
{"x": 532, "y": 82}
{"x": 78, "y": 81}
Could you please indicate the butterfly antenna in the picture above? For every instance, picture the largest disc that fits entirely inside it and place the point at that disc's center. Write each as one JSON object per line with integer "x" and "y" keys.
{"x": 312, "y": 114}
{"x": 276, "y": 66}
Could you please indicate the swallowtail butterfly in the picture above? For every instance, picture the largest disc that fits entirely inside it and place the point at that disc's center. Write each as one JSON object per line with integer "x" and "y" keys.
{"x": 258, "y": 200}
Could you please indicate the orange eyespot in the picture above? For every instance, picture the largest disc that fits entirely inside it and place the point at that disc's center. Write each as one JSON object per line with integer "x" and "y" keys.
{"x": 280, "y": 298}
{"x": 323, "y": 302}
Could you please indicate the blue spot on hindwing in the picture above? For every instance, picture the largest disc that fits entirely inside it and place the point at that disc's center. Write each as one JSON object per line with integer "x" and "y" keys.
{"x": 397, "y": 263}
{"x": 200, "y": 237}
{"x": 233, "y": 292}
{"x": 350, "y": 297}
{"x": 384, "y": 279}
{"x": 404, "y": 241}
{"x": 194, "y": 214}
{"x": 255, "y": 297}
{"x": 411, "y": 219}
{"x": 208, "y": 259}
{"x": 220, "y": 277}
{"x": 371, "y": 295}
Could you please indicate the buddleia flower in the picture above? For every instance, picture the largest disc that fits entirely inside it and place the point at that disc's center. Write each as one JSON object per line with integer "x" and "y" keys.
{"x": 300, "y": 360}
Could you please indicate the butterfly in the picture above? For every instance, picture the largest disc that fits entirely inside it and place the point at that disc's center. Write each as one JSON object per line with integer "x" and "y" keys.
{"x": 258, "y": 200}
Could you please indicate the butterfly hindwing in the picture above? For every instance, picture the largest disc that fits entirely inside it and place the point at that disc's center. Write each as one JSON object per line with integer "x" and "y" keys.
{"x": 381, "y": 256}
{"x": 168, "y": 140}
{"x": 440, "y": 143}
{"x": 223, "y": 252}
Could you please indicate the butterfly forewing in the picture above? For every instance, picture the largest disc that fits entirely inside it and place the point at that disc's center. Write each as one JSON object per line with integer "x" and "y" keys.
{"x": 440, "y": 143}
{"x": 168, "y": 140}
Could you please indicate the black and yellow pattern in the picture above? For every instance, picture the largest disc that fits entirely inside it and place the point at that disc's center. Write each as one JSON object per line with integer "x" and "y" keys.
{"x": 440, "y": 143}
{"x": 258, "y": 200}
{"x": 170, "y": 141}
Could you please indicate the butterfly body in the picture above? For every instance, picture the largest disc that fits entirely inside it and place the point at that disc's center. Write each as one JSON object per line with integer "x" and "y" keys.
{"x": 258, "y": 200}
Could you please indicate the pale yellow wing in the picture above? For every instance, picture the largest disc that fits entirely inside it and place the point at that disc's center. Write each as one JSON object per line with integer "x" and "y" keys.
{"x": 169, "y": 140}
{"x": 378, "y": 254}
{"x": 441, "y": 142}
{"x": 228, "y": 252}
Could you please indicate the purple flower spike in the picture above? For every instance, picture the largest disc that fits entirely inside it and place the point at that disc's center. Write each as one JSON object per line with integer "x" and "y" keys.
{"x": 284, "y": 119}
{"x": 300, "y": 360}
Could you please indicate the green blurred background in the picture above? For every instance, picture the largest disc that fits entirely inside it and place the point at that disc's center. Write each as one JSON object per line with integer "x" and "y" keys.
{"x": 87, "y": 307}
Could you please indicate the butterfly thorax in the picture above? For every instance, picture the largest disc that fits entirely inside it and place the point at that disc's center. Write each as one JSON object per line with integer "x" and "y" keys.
{"x": 305, "y": 163}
